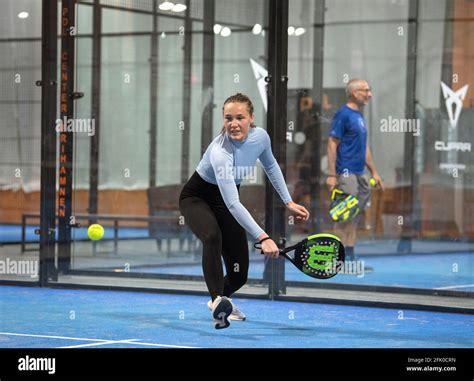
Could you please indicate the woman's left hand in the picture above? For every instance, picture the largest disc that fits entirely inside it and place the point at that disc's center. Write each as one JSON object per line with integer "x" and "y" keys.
{"x": 298, "y": 210}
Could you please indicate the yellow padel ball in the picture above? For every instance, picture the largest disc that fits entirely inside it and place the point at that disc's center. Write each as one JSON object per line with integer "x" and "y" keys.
{"x": 372, "y": 182}
{"x": 95, "y": 232}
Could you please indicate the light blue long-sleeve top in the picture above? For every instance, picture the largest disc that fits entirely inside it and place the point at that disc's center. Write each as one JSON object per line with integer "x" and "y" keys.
{"x": 226, "y": 162}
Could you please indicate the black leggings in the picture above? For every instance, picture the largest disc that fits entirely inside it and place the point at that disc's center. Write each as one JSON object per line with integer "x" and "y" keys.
{"x": 206, "y": 214}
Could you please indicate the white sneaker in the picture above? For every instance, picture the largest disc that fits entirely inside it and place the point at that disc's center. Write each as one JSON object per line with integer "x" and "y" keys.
{"x": 236, "y": 314}
{"x": 221, "y": 309}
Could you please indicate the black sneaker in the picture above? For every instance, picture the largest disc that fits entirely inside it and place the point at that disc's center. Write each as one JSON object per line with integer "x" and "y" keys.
{"x": 221, "y": 309}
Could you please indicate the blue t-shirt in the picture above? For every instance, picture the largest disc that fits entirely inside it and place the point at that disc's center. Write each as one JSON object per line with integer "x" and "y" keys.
{"x": 226, "y": 162}
{"x": 349, "y": 127}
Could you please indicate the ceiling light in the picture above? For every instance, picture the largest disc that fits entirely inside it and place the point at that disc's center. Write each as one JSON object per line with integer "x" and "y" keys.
{"x": 217, "y": 28}
{"x": 291, "y": 30}
{"x": 166, "y": 6}
{"x": 257, "y": 29}
{"x": 179, "y": 8}
{"x": 23, "y": 15}
{"x": 226, "y": 32}
{"x": 300, "y": 31}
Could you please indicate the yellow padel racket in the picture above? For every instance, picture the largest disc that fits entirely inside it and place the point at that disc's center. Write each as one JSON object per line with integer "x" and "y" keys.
{"x": 344, "y": 207}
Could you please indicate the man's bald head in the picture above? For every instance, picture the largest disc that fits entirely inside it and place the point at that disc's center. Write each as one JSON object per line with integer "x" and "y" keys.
{"x": 358, "y": 92}
{"x": 355, "y": 84}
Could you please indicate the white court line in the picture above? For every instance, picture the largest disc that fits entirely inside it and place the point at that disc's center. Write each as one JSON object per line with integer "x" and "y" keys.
{"x": 131, "y": 341}
{"x": 49, "y": 337}
{"x": 163, "y": 345}
{"x": 451, "y": 287}
{"x": 98, "y": 341}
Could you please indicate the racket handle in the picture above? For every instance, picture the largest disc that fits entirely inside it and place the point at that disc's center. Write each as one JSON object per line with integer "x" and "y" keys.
{"x": 283, "y": 251}
{"x": 281, "y": 243}
{"x": 281, "y": 248}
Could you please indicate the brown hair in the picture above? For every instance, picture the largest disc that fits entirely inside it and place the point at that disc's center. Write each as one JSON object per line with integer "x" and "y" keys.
{"x": 239, "y": 98}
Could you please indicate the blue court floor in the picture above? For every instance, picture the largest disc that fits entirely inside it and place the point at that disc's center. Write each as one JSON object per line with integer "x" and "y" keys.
{"x": 59, "y": 318}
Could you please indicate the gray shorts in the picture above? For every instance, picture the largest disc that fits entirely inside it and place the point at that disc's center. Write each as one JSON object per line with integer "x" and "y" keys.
{"x": 357, "y": 186}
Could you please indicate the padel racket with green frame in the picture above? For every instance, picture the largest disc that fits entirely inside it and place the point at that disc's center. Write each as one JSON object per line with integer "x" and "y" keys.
{"x": 319, "y": 256}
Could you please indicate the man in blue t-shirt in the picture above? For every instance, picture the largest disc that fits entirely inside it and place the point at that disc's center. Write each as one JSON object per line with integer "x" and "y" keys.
{"x": 348, "y": 154}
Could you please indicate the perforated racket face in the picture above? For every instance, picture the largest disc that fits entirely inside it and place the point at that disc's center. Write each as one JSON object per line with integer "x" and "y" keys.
{"x": 320, "y": 256}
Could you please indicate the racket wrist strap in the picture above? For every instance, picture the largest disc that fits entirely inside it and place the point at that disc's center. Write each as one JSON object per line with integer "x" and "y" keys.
{"x": 263, "y": 239}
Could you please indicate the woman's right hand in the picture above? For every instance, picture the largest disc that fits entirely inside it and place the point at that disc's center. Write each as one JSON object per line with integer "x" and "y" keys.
{"x": 270, "y": 249}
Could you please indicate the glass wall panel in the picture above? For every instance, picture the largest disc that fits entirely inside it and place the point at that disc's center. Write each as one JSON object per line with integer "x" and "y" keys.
{"x": 156, "y": 75}
{"x": 416, "y": 232}
{"x": 20, "y": 144}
